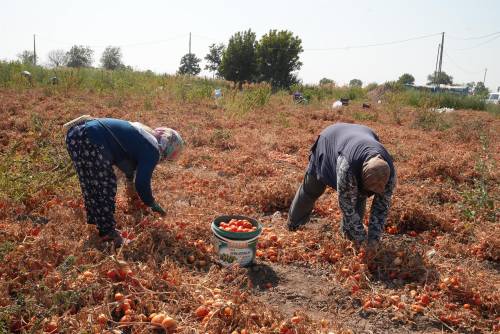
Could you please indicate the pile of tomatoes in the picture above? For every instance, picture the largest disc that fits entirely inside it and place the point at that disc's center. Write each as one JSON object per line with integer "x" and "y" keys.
{"x": 237, "y": 225}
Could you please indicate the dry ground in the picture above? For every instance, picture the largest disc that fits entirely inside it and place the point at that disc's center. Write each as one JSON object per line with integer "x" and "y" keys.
{"x": 438, "y": 269}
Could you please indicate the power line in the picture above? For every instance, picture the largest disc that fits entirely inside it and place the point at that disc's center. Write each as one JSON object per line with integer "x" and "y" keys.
{"x": 458, "y": 66}
{"x": 475, "y": 37}
{"x": 121, "y": 45}
{"x": 375, "y": 44}
{"x": 480, "y": 44}
{"x": 349, "y": 46}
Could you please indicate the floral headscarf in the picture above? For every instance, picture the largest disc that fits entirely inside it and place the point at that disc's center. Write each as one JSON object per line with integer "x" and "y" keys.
{"x": 169, "y": 142}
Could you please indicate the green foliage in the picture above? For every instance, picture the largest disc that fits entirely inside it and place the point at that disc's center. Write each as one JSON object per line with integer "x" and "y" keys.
{"x": 57, "y": 58}
{"x": 111, "y": 58}
{"x": 406, "y": 79}
{"x": 318, "y": 94}
{"x": 4, "y": 327}
{"x": 278, "y": 57}
{"x": 365, "y": 116}
{"x": 394, "y": 103}
{"x": 5, "y": 248}
{"x": 26, "y": 57}
{"x": 239, "y": 62}
{"x": 80, "y": 56}
{"x": 421, "y": 99}
{"x": 222, "y": 138}
{"x": 493, "y": 109}
{"x": 481, "y": 90}
{"x": 46, "y": 166}
{"x": 371, "y": 86}
{"x": 214, "y": 58}
{"x": 243, "y": 101}
{"x": 67, "y": 264}
{"x": 326, "y": 81}
{"x": 428, "y": 120}
{"x": 439, "y": 79}
{"x": 190, "y": 65}
{"x": 188, "y": 89}
{"x": 479, "y": 201}
{"x": 355, "y": 83}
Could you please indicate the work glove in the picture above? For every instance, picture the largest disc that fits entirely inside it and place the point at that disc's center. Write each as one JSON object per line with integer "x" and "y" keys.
{"x": 157, "y": 208}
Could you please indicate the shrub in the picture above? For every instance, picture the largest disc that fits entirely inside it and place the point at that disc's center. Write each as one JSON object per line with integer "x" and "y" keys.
{"x": 428, "y": 120}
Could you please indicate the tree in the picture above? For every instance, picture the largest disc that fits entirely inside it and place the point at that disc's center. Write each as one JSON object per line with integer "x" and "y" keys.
{"x": 406, "y": 79}
{"x": 480, "y": 89}
{"x": 239, "y": 63}
{"x": 26, "y": 57}
{"x": 80, "y": 56}
{"x": 111, "y": 58}
{"x": 371, "y": 86}
{"x": 57, "y": 58}
{"x": 355, "y": 83}
{"x": 214, "y": 58}
{"x": 326, "y": 81}
{"x": 190, "y": 65}
{"x": 278, "y": 57}
{"x": 439, "y": 79}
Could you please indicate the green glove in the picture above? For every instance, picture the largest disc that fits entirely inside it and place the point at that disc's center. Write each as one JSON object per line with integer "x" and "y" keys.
{"x": 157, "y": 208}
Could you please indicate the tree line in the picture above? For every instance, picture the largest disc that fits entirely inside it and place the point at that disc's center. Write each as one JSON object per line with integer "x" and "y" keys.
{"x": 477, "y": 88}
{"x": 79, "y": 56}
{"x": 273, "y": 59}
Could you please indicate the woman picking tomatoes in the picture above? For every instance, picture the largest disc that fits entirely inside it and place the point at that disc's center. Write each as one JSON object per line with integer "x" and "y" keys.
{"x": 95, "y": 145}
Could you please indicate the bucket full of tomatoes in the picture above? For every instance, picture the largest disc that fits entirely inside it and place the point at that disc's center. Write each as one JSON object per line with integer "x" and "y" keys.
{"x": 235, "y": 239}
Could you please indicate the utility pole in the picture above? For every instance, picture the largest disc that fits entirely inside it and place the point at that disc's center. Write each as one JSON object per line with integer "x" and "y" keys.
{"x": 189, "y": 43}
{"x": 440, "y": 58}
{"x": 437, "y": 61}
{"x": 34, "y": 50}
{"x": 484, "y": 78}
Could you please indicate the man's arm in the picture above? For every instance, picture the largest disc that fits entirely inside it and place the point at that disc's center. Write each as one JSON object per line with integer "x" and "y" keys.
{"x": 380, "y": 210}
{"x": 349, "y": 198}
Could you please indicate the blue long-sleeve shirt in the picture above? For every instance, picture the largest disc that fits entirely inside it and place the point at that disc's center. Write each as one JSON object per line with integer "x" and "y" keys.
{"x": 125, "y": 147}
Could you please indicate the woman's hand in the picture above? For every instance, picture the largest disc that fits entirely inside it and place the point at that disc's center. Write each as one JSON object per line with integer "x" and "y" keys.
{"x": 157, "y": 208}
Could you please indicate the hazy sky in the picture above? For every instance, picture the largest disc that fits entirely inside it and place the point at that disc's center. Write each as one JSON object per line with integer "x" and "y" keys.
{"x": 154, "y": 34}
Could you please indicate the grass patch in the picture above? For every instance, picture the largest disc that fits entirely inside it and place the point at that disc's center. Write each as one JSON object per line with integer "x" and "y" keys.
{"x": 428, "y": 120}
{"x": 421, "y": 99}
{"x": 479, "y": 200}
{"x": 5, "y": 248}
{"x": 493, "y": 109}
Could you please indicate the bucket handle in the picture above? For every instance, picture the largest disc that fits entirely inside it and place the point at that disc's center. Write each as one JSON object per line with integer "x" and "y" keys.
{"x": 236, "y": 242}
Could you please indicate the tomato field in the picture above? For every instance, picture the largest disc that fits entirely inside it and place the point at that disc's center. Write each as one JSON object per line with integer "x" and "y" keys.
{"x": 437, "y": 269}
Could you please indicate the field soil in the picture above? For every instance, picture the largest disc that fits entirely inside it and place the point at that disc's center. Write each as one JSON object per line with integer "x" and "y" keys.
{"x": 437, "y": 269}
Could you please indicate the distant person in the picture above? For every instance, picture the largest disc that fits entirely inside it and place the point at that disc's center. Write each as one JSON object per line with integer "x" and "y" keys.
{"x": 298, "y": 97}
{"x": 95, "y": 145}
{"x": 350, "y": 159}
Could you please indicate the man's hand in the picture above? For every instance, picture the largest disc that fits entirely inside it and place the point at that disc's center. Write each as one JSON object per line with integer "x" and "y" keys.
{"x": 157, "y": 208}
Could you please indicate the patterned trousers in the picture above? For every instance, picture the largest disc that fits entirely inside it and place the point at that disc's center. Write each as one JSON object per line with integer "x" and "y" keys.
{"x": 97, "y": 179}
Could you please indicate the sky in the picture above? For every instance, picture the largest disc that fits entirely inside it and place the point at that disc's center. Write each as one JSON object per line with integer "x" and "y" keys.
{"x": 154, "y": 35}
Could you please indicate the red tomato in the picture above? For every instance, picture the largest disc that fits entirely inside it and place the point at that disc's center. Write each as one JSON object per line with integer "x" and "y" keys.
{"x": 201, "y": 312}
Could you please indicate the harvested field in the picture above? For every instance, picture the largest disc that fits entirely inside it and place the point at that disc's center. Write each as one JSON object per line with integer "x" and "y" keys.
{"x": 437, "y": 271}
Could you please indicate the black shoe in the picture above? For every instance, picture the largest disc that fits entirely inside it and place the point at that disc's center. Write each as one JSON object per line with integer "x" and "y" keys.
{"x": 113, "y": 236}
{"x": 293, "y": 227}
